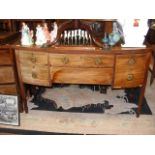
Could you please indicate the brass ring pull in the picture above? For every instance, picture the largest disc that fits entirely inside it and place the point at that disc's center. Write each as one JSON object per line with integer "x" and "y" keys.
{"x": 65, "y": 60}
{"x": 33, "y": 59}
{"x": 34, "y": 75}
{"x": 130, "y": 77}
{"x": 98, "y": 61}
{"x": 131, "y": 61}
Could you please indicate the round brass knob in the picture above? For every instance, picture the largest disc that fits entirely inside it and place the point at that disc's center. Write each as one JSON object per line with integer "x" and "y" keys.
{"x": 98, "y": 61}
{"x": 131, "y": 61}
{"x": 34, "y": 75}
{"x": 130, "y": 77}
{"x": 65, "y": 60}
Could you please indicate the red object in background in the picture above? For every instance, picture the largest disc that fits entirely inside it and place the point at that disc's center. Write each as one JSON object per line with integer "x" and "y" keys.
{"x": 136, "y": 23}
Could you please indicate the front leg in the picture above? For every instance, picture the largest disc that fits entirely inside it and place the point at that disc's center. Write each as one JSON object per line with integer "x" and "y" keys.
{"x": 140, "y": 101}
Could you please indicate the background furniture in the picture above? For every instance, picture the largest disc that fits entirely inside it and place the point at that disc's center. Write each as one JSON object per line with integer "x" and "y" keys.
{"x": 150, "y": 42}
{"x": 153, "y": 67}
{"x": 5, "y": 25}
{"x": 8, "y": 72}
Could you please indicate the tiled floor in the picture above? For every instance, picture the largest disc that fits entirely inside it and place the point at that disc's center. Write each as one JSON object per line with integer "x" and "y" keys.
{"x": 91, "y": 123}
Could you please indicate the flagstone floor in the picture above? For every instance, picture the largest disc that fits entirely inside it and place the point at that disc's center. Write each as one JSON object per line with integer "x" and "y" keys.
{"x": 91, "y": 123}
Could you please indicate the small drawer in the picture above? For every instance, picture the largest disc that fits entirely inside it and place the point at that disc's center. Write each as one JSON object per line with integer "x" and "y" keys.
{"x": 5, "y": 57}
{"x": 30, "y": 57}
{"x": 36, "y": 75}
{"x": 8, "y": 89}
{"x": 65, "y": 60}
{"x": 128, "y": 79}
{"x": 98, "y": 60}
{"x": 130, "y": 61}
{"x": 6, "y": 75}
{"x": 81, "y": 60}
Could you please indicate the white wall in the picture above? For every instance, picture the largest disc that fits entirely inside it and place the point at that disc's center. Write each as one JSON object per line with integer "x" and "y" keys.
{"x": 134, "y": 36}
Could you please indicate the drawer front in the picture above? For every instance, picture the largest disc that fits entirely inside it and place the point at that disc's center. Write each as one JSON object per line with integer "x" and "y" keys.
{"x": 130, "y": 70}
{"x": 131, "y": 61}
{"x": 5, "y": 57}
{"x": 81, "y": 60}
{"x": 6, "y": 75}
{"x": 30, "y": 57}
{"x": 36, "y": 75}
{"x": 8, "y": 89}
{"x": 128, "y": 79}
{"x": 81, "y": 75}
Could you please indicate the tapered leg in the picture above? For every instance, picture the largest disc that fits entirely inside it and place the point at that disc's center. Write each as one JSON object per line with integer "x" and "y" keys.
{"x": 153, "y": 72}
{"x": 21, "y": 108}
{"x": 24, "y": 106}
{"x": 23, "y": 96}
{"x": 140, "y": 101}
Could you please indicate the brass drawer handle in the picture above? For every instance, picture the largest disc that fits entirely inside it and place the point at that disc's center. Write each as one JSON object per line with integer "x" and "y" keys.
{"x": 34, "y": 75}
{"x": 65, "y": 60}
{"x": 130, "y": 77}
{"x": 33, "y": 59}
{"x": 98, "y": 61}
{"x": 131, "y": 61}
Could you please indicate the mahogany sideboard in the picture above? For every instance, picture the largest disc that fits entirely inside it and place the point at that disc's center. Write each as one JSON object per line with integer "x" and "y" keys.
{"x": 118, "y": 67}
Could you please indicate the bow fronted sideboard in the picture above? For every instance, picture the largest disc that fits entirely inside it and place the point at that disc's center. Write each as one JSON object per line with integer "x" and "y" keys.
{"x": 117, "y": 67}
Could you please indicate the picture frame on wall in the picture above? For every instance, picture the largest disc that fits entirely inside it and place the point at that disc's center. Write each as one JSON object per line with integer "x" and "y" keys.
{"x": 9, "y": 111}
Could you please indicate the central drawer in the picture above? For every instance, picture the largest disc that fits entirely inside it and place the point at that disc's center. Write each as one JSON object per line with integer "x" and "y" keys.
{"x": 81, "y": 75}
{"x": 81, "y": 60}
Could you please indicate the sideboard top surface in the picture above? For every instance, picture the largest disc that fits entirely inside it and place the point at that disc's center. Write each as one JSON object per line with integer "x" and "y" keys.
{"x": 82, "y": 49}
